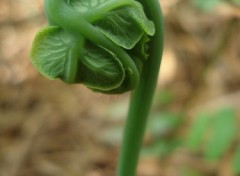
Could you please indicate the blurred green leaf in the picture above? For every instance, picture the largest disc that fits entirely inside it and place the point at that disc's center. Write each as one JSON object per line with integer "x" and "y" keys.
{"x": 237, "y": 2}
{"x": 189, "y": 171}
{"x": 161, "y": 124}
{"x": 158, "y": 126}
{"x": 207, "y": 5}
{"x": 197, "y": 131}
{"x": 164, "y": 97}
{"x": 221, "y": 135}
{"x": 161, "y": 148}
{"x": 157, "y": 149}
{"x": 236, "y": 161}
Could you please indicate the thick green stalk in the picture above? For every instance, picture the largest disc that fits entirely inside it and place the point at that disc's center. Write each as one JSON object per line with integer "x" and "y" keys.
{"x": 141, "y": 98}
{"x": 72, "y": 64}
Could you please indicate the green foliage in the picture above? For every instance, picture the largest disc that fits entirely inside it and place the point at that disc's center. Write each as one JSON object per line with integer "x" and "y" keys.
{"x": 206, "y": 5}
{"x": 221, "y": 134}
{"x": 164, "y": 97}
{"x": 159, "y": 127}
{"x": 237, "y": 2}
{"x": 211, "y": 4}
{"x": 53, "y": 51}
{"x": 214, "y": 133}
{"x": 161, "y": 124}
{"x": 125, "y": 26}
{"x": 161, "y": 148}
{"x": 236, "y": 161}
{"x": 189, "y": 171}
{"x": 197, "y": 131}
{"x": 50, "y": 52}
{"x": 100, "y": 69}
{"x": 93, "y": 42}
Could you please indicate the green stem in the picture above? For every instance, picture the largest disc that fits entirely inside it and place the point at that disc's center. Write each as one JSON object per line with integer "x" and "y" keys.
{"x": 141, "y": 98}
{"x": 72, "y": 62}
{"x": 100, "y": 11}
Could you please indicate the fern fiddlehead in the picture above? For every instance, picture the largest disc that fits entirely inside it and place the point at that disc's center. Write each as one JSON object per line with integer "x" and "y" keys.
{"x": 111, "y": 46}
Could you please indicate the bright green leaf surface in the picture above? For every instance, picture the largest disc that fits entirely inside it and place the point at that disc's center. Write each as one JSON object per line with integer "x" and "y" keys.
{"x": 86, "y": 5}
{"x": 237, "y": 2}
{"x": 207, "y": 5}
{"x": 236, "y": 161}
{"x": 161, "y": 148}
{"x": 100, "y": 69}
{"x": 117, "y": 30}
{"x": 139, "y": 15}
{"x": 124, "y": 24}
{"x": 50, "y": 52}
{"x": 198, "y": 131}
{"x": 222, "y": 133}
{"x": 121, "y": 28}
{"x": 163, "y": 123}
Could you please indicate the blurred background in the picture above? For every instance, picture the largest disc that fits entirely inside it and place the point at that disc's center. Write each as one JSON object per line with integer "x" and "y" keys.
{"x": 48, "y": 128}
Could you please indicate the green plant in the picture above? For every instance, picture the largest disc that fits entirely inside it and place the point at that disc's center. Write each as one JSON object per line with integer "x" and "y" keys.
{"x": 207, "y": 5}
{"x": 214, "y": 135}
{"x": 111, "y": 47}
{"x": 211, "y": 4}
{"x": 161, "y": 127}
